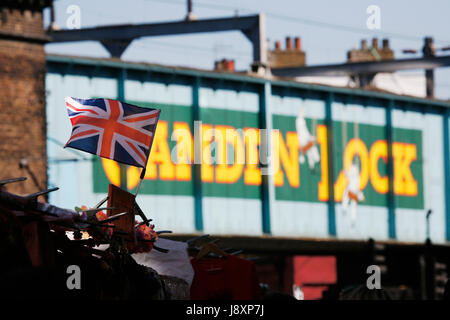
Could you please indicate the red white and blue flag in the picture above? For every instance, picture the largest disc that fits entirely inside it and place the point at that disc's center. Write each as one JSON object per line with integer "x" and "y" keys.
{"x": 112, "y": 129}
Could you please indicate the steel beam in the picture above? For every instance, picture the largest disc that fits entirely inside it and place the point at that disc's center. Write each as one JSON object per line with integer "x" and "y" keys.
{"x": 355, "y": 68}
{"x": 252, "y": 26}
{"x": 132, "y": 31}
{"x": 257, "y": 36}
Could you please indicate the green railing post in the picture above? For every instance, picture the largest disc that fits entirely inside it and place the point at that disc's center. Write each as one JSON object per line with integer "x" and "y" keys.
{"x": 445, "y": 129}
{"x": 330, "y": 151}
{"x": 197, "y": 167}
{"x": 390, "y": 171}
{"x": 267, "y": 186}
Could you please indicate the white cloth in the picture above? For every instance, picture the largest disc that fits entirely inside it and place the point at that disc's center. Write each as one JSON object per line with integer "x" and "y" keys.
{"x": 175, "y": 263}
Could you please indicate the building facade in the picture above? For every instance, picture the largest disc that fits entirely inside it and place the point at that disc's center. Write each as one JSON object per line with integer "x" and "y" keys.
{"x": 348, "y": 164}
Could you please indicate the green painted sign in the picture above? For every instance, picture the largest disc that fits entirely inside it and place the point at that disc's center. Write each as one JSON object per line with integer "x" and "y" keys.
{"x": 230, "y": 159}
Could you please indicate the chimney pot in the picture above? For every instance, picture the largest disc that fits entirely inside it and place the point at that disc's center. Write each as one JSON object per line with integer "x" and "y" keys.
{"x": 288, "y": 43}
{"x": 277, "y": 45}
{"x": 297, "y": 44}
{"x": 224, "y": 65}
{"x": 363, "y": 44}
{"x": 375, "y": 43}
{"x": 230, "y": 65}
{"x": 385, "y": 43}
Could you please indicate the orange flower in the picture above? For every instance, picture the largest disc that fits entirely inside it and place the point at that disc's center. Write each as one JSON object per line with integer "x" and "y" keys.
{"x": 147, "y": 233}
{"x": 101, "y": 216}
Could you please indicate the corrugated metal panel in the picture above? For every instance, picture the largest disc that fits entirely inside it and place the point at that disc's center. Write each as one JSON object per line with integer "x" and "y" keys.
{"x": 293, "y": 208}
{"x": 353, "y": 123}
{"x": 411, "y": 222}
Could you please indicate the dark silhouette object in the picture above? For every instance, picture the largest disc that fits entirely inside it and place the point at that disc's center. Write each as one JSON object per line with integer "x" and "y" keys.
{"x": 361, "y": 292}
{"x": 447, "y": 291}
{"x": 279, "y": 296}
{"x": 332, "y": 293}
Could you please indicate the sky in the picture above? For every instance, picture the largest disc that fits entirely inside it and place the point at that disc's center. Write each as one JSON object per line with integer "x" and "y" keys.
{"x": 327, "y": 28}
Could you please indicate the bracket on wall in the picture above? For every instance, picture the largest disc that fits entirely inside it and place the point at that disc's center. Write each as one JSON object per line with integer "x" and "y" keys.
{"x": 116, "y": 47}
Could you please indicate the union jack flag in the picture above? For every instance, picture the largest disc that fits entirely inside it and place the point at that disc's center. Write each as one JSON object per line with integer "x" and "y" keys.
{"x": 112, "y": 129}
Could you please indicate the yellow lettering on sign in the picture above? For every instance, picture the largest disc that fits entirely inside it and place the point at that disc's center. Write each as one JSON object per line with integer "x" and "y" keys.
{"x": 288, "y": 159}
{"x": 245, "y": 160}
{"x": 355, "y": 147}
{"x": 229, "y": 136}
{"x": 207, "y": 170}
{"x": 404, "y": 182}
{"x": 323, "y": 143}
{"x": 133, "y": 176}
{"x": 184, "y": 151}
{"x": 378, "y": 151}
{"x": 252, "y": 174}
{"x": 160, "y": 155}
{"x": 112, "y": 171}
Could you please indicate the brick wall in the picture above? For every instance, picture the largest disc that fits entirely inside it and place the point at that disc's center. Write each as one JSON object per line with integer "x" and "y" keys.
{"x": 22, "y": 98}
{"x": 21, "y": 21}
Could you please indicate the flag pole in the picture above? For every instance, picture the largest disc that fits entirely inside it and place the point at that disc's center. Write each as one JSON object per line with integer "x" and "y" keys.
{"x": 140, "y": 181}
